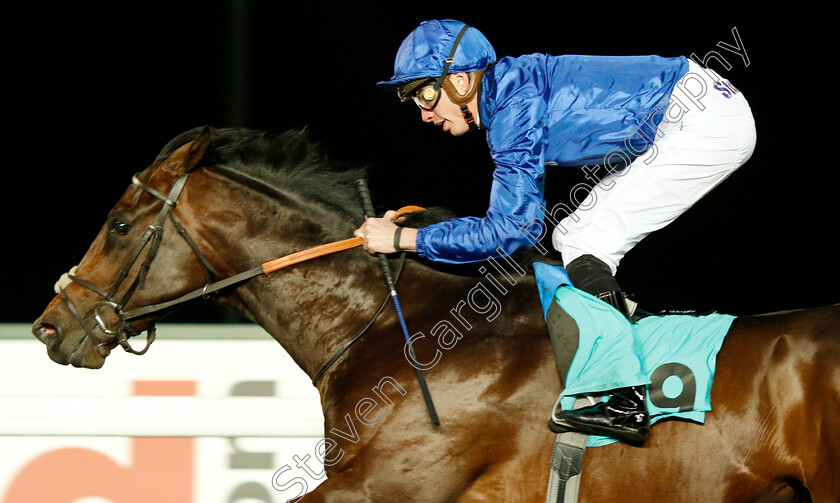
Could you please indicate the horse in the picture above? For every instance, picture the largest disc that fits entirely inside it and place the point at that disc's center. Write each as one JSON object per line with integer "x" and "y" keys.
{"x": 480, "y": 338}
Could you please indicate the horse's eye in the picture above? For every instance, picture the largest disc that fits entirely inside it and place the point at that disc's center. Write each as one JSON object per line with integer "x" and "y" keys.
{"x": 119, "y": 227}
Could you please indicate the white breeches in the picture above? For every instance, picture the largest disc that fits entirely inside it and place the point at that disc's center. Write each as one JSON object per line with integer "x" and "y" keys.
{"x": 707, "y": 133}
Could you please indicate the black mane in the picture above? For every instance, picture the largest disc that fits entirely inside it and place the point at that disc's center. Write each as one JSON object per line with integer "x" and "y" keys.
{"x": 289, "y": 160}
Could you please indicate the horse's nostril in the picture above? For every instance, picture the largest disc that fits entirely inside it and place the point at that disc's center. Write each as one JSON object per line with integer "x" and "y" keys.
{"x": 45, "y": 332}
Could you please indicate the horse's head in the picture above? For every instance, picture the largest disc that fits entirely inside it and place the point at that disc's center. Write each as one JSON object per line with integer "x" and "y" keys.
{"x": 92, "y": 312}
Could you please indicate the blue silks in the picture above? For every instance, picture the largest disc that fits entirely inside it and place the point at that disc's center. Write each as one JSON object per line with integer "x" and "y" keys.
{"x": 558, "y": 110}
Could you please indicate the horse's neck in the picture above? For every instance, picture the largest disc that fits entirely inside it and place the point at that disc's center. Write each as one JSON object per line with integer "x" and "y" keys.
{"x": 311, "y": 308}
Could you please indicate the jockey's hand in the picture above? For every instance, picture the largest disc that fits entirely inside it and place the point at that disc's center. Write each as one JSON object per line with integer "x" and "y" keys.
{"x": 378, "y": 234}
{"x": 390, "y": 214}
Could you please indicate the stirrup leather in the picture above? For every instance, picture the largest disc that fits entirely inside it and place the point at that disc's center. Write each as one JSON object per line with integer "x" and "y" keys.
{"x": 619, "y": 301}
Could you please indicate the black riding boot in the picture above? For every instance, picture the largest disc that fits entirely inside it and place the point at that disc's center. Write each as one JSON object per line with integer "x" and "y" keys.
{"x": 624, "y": 416}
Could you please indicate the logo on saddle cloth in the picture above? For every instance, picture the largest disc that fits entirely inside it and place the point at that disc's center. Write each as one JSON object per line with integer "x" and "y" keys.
{"x": 673, "y": 355}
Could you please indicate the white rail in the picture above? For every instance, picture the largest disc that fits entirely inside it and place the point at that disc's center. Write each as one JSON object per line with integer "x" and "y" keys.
{"x": 161, "y": 416}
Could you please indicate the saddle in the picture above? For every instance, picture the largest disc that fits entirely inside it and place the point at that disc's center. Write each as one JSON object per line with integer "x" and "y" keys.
{"x": 674, "y": 355}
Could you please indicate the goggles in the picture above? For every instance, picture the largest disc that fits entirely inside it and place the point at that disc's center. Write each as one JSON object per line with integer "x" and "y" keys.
{"x": 424, "y": 92}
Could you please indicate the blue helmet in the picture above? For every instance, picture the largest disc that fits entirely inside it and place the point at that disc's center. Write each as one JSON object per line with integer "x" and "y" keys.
{"x": 424, "y": 52}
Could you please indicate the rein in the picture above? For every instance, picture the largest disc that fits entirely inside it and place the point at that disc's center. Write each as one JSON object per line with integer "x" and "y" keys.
{"x": 152, "y": 237}
{"x": 260, "y": 270}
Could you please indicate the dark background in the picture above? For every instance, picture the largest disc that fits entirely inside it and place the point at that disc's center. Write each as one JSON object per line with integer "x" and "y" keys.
{"x": 98, "y": 89}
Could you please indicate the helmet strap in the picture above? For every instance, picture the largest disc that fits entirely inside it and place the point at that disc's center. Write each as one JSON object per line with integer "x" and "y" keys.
{"x": 468, "y": 117}
{"x": 450, "y": 58}
{"x": 443, "y": 82}
{"x": 462, "y": 100}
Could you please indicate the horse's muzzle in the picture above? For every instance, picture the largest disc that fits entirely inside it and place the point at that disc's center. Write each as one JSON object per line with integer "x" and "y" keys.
{"x": 66, "y": 343}
{"x": 45, "y": 333}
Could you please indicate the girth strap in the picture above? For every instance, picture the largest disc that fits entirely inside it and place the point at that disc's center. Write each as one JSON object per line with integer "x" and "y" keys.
{"x": 566, "y": 466}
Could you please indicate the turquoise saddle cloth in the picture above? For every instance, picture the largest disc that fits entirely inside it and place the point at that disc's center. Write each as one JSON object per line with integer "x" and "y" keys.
{"x": 674, "y": 355}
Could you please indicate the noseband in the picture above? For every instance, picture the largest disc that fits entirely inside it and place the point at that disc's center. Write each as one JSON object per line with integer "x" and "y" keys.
{"x": 151, "y": 238}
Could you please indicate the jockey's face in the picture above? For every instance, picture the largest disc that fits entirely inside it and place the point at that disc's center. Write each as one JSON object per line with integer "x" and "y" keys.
{"x": 447, "y": 114}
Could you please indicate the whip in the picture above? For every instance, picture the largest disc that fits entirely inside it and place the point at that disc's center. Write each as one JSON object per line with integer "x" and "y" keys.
{"x": 367, "y": 204}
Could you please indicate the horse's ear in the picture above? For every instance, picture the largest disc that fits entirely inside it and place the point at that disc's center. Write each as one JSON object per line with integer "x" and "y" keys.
{"x": 187, "y": 157}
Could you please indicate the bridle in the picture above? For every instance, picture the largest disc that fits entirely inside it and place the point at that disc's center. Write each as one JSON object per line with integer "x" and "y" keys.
{"x": 152, "y": 237}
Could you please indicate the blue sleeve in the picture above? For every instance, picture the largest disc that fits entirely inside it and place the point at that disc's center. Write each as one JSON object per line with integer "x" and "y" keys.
{"x": 516, "y": 195}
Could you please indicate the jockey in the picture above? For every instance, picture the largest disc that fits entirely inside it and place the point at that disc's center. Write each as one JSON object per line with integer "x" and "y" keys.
{"x": 667, "y": 130}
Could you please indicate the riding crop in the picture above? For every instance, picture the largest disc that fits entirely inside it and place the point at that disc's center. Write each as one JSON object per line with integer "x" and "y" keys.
{"x": 367, "y": 204}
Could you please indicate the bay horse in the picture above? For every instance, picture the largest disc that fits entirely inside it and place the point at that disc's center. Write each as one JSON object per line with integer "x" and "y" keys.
{"x": 773, "y": 433}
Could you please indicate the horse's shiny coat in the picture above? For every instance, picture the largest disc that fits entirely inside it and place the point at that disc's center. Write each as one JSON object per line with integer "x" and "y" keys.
{"x": 773, "y": 433}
